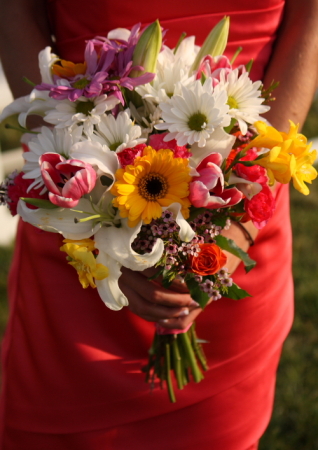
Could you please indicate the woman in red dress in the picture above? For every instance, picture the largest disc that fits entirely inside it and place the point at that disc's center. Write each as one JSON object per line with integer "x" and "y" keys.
{"x": 71, "y": 367}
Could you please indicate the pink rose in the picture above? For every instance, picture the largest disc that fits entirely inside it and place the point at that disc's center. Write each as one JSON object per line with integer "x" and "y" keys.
{"x": 66, "y": 180}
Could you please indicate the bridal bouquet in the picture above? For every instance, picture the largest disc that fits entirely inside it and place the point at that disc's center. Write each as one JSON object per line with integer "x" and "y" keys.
{"x": 148, "y": 154}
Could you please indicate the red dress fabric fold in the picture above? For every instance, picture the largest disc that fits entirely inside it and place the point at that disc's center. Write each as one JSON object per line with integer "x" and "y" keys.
{"x": 72, "y": 376}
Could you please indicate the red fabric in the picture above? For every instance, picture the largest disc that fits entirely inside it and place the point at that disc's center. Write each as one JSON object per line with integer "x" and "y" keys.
{"x": 72, "y": 375}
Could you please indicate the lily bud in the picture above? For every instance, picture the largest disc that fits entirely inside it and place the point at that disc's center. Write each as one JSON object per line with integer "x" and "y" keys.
{"x": 215, "y": 43}
{"x": 147, "y": 50}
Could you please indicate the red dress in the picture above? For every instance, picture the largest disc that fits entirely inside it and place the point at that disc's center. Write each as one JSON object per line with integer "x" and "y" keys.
{"x": 71, "y": 366}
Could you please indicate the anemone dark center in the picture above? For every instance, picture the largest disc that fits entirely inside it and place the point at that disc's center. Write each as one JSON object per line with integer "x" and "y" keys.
{"x": 85, "y": 107}
{"x": 197, "y": 122}
{"x": 153, "y": 186}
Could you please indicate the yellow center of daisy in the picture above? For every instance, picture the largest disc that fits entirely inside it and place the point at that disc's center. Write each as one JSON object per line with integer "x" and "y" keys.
{"x": 153, "y": 186}
{"x": 232, "y": 103}
{"x": 197, "y": 122}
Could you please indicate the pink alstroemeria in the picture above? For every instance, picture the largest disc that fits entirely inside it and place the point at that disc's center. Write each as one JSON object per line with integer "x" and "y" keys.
{"x": 207, "y": 189}
{"x": 66, "y": 180}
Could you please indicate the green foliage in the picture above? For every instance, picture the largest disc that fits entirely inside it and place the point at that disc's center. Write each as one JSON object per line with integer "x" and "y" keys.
{"x": 230, "y": 246}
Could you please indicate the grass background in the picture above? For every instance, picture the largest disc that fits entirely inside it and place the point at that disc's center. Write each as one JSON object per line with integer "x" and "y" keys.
{"x": 294, "y": 425}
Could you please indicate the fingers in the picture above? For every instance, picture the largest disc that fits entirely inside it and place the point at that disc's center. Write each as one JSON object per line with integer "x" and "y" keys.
{"x": 180, "y": 323}
{"x": 151, "y": 312}
{"x": 152, "y": 292}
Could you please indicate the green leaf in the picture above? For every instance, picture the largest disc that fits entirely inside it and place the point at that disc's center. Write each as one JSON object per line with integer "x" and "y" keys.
{"x": 195, "y": 212}
{"x": 196, "y": 293}
{"x": 39, "y": 202}
{"x": 236, "y": 293}
{"x": 230, "y": 246}
{"x": 220, "y": 221}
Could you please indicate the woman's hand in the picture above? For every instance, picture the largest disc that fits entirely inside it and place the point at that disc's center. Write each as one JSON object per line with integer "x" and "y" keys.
{"x": 172, "y": 308}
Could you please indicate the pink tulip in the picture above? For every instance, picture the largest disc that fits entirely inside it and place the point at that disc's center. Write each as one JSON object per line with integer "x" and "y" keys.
{"x": 207, "y": 189}
{"x": 66, "y": 180}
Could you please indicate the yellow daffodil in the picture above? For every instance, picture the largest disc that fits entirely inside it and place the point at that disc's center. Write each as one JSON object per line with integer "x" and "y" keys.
{"x": 81, "y": 257}
{"x": 304, "y": 171}
{"x": 279, "y": 163}
{"x": 156, "y": 179}
{"x": 289, "y": 156}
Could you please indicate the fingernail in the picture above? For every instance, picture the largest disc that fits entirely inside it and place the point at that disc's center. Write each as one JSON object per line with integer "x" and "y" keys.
{"x": 193, "y": 303}
{"x": 184, "y": 312}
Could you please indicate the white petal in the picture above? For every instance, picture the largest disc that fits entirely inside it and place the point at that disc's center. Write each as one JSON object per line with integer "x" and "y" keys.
{"x": 248, "y": 188}
{"x": 117, "y": 243}
{"x": 108, "y": 288}
{"x": 186, "y": 232}
{"x": 60, "y": 220}
{"x": 219, "y": 142}
{"x": 96, "y": 154}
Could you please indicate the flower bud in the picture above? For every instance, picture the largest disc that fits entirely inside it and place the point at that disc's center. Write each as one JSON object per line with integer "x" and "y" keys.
{"x": 147, "y": 50}
{"x": 215, "y": 43}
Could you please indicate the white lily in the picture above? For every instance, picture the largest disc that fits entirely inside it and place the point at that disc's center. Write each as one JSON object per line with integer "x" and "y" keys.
{"x": 249, "y": 188}
{"x": 46, "y": 60}
{"x": 96, "y": 154}
{"x": 61, "y": 220}
{"x": 219, "y": 142}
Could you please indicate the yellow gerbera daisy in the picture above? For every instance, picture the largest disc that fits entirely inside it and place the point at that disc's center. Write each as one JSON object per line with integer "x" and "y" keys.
{"x": 155, "y": 180}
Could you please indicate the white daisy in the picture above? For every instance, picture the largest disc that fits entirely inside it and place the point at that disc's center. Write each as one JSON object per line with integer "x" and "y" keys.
{"x": 194, "y": 115}
{"x": 85, "y": 111}
{"x": 169, "y": 78}
{"x": 243, "y": 98}
{"x": 172, "y": 71}
{"x": 118, "y": 133}
{"x": 47, "y": 141}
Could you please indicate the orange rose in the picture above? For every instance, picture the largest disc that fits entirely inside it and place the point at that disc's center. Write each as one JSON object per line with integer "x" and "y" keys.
{"x": 209, "y": 260}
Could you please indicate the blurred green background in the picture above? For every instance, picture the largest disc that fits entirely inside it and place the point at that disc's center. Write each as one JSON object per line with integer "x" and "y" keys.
{"x": 294, "y": 425}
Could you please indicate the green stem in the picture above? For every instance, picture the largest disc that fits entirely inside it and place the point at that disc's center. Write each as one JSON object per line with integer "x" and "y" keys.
{"x": 177, "y": 363}
{"x": 168, "y": 375}
{"x": 196, "y": 372}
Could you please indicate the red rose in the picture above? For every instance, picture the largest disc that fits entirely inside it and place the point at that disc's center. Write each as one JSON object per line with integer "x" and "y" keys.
{"x": 209, "y": 260}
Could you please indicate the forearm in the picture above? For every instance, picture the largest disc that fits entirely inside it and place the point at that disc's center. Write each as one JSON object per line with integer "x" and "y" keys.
{"x": 24, "y": 31}
{"x": 294, "y": 63}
